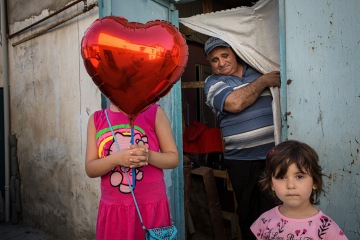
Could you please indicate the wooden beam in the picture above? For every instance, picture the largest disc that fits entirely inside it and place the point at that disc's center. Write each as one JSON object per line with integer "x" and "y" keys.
{"x": 196, "y": 84}
{"x": 205, "y": 206}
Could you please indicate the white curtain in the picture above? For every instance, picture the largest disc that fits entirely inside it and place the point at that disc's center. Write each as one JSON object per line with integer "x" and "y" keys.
{"x": 253, "y": 34}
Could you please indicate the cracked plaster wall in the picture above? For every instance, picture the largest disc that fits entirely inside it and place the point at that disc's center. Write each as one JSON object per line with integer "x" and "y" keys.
{"x": 322, "y": 62}
{"x": 51, "y": 98}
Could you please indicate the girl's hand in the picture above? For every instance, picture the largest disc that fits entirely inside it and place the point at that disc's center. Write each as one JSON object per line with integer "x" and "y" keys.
{"x": 139, "y": 156}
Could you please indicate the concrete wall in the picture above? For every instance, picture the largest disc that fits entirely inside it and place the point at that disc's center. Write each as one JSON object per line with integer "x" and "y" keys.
{"x": 322, "y": 67}
{"x": 34, "y": 8}
{"x": 51, "y": 98}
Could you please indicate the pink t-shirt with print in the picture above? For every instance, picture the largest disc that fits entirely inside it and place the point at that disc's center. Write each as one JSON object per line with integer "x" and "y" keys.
{"x": 273, "y": 225}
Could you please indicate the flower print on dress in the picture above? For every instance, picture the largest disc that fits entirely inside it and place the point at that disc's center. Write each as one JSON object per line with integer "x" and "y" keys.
{"x": 281, "y": 225}
{"x": 300, "y": 232}
{"x": 326, "y": 222}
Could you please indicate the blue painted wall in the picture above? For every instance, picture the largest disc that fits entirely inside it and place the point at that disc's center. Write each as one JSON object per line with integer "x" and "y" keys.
{"x": 322, "y": 67}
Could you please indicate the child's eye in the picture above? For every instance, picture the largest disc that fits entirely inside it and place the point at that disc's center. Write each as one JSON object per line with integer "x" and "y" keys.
{"x": 300, "y": 176}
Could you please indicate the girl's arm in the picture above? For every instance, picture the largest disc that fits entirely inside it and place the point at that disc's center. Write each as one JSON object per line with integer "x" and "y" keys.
{"x": 96, "y": 167}
{"x": 168, "y": 157}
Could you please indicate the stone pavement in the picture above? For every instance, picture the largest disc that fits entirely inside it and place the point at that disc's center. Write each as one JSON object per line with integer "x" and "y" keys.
{"x": 20, "y": 231}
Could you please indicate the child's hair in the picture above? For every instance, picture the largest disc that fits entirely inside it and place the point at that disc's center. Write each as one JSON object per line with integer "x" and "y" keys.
{"x": 286, "y": 153}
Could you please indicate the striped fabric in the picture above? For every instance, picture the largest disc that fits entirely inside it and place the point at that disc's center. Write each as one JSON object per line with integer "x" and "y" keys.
{"x": 248, "y": 135}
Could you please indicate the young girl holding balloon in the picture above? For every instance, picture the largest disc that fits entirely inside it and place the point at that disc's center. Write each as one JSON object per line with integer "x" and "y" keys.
{"x": 153, "y": 150}
{"x": 294, "y": 177}
{"x": 130, "y": 142}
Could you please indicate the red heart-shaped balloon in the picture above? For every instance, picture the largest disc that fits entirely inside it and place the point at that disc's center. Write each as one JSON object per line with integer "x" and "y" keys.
{"x": 133, "y": 64}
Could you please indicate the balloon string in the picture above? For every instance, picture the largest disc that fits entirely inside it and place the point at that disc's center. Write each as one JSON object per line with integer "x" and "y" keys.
{"x": 132, "y": 135}
{"x": 133, "y": 170}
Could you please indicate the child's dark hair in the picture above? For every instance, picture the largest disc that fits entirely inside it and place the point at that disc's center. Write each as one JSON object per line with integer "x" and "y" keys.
{"x": 286, "y": 153}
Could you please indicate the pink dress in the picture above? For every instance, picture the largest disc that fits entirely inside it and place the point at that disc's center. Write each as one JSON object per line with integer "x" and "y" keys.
{"x": 117, "y": 215}
{"x": 273, "y": 225}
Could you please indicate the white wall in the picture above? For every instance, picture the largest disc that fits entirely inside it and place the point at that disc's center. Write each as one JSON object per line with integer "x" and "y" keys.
{"x": 52, "y": 97}
{"x": 322, "y": 62}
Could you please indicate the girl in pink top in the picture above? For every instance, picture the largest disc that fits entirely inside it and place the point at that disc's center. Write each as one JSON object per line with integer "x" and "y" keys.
{"x": 294, "y": 176}
{"x": 154, "y": 149}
